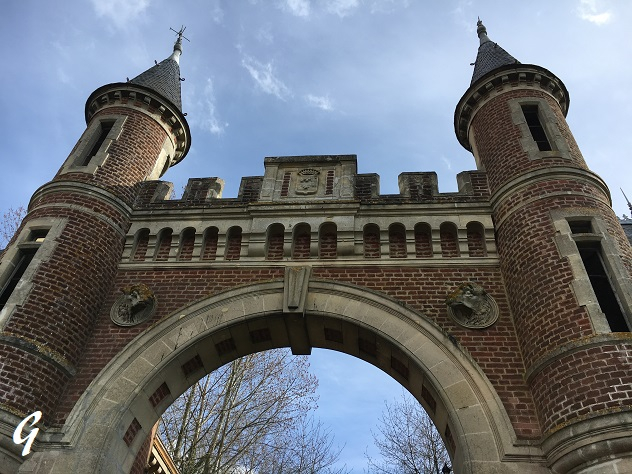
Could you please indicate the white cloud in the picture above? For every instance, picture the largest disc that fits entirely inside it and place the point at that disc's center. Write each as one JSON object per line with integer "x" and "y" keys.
{"x": 297, "y": 7}
{"x": 387, "y": 6}
{"x": 446, "y": 162}
{"x": 264, "y": 76}
{"x": 589, "y": 10}
{"x": 341, "y": 8}
{"x": 323, "y": 103}
{"x": 120, "y": 12}
{"x": 202, "y": 111}
{"x": 210, "y": 120}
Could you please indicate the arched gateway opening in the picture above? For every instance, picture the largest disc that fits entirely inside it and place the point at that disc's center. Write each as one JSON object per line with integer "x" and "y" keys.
{"x": 115, "y": 414}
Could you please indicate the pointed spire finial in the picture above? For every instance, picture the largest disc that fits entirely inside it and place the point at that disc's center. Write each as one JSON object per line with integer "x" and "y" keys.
{"x": 627, "y": 200}
{"x": 481, "y": 31}
{"x": 177, "y": 47}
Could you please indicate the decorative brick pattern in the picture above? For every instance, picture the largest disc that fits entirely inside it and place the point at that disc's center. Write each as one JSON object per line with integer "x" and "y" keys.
{"x": 429, "y": 399}
{"x": 397, "y": 241}
{"x": 302, "y": 242}
{"x": 276, "y": 238}
{"x": 225, "y": 346}
{"x": 164, "y": 246}
{"x": 233, "y": 244}
{"x": 423, "y": 241}
{"x": 329, "y": 184}
{"x": 142, "y": 240}
{"x": 192, "y": 365}
{"x": 399, "y": 367}
{"x": 132, "y": 431}
{"x": 260, "y": 335}
{"x": 187, "y": 242}
{"x": 159, "y": 395}
{"x": 285, "y": 185}
{"x": 449, "y": 242}
{"x": 475, "y": 240}
{"x": 209, "y": 248}
{"x": 372, "y": 242}
{"x": 333, "y": 335}
{"x": 328, "y": 247}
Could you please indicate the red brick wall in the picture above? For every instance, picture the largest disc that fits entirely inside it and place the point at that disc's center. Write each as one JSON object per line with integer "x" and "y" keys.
{"x": 498, "y": 140}
{"x": 397, "y": 242}
{"x": 328, "y": 244}
{"x": 131, "y": 158}
{"x": 538, "y": 279}
{"x": 495, "y": 349}
{"x": 67, "y": 292}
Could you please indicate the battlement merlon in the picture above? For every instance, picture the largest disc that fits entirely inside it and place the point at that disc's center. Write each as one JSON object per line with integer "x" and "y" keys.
{"x": 309, "y": 179}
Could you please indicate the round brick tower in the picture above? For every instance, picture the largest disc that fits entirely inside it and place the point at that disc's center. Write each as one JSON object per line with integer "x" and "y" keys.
{"x": 58, "y": 269}
{"x": 564, "y": 257}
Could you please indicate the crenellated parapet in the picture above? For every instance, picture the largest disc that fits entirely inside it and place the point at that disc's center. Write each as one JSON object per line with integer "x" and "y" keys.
{"x": 310, "y": 180}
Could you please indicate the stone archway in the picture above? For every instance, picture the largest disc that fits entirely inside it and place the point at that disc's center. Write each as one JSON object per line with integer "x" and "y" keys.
{"x": 114, "y": 415}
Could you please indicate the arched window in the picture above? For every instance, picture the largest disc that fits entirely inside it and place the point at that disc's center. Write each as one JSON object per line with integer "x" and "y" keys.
{"x": 274, "y": 242}
{"x": 187, "y": 240}
{"x": 449, "y": 240}
{"x": 397, "y": 241}
{"x": 302, "y": 241}
{"x": 233, "y": 243}
{"x": 371, "y": 239}
{"x": 209, "y": 244}
{"x": 423, "y": 241}
{"x": 140, "y": 247}
{"x": 163, "y": 246}
{"x": 476, "y": 239}
{"x": 328, "y": 241}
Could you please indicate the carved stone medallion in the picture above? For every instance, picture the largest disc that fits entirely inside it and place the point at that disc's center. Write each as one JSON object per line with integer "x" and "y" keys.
{"x": 307, "y": 182}
{"x": 471, "y": 306}
{"x": 135, "y": 305}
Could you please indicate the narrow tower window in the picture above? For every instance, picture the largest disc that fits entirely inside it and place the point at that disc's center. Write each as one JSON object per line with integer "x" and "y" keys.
{"x": 104, "y": 130}
{"x": 25, "y": 256}
{"x": 538, "y": 133}
{"x": 590, "y": 252}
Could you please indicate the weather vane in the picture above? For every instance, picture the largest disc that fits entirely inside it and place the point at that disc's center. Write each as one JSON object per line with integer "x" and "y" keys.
{"x": 181, "y": 33}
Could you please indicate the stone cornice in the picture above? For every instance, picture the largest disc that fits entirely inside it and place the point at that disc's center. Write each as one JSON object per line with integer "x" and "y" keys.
{"x": 499, "y": 81}
{"x": 94, "y": 193}
{"x": 40, "y": 350}
{"x": 517, "y": 184}
{"x": 144, "y": 99}
{"x": 575, "y": 346}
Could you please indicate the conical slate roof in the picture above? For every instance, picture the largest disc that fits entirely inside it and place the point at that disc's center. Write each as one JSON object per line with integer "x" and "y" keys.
{"x": 164, "y": 77}
{"x": 490, "y": 56}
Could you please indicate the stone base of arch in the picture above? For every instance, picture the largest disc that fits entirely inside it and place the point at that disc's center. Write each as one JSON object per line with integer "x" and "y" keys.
{"x": 114, "y": 415}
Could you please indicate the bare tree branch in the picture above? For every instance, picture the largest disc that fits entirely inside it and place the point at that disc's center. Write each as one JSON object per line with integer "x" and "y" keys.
{"x": 250, "y": 416}
{"x": 407, "y": 441}
{"x": 9, "y": 224}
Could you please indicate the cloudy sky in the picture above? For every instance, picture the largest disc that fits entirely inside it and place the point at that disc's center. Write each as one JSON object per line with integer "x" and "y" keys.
{"x": 376, "y": 78}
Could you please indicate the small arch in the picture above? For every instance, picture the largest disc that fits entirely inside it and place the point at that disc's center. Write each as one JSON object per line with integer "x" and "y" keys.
{"x": 233, "y": 243}
{"x": 328, "y": 240}
{"x": 141, "y": 241}
{"x": 209, "y": 244}
{"x": 163, "y": 245}
{"x": 187, "y": 241}
{"x": 397, "y": 241}
{"x": 274, "y": 242}
{"x": 449, "y": 240}
{"x": 371, "y": 240}
{"x": 302, "y": 241}
{"x": 476, "y": 240}
{"x": 423, "y": 240}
